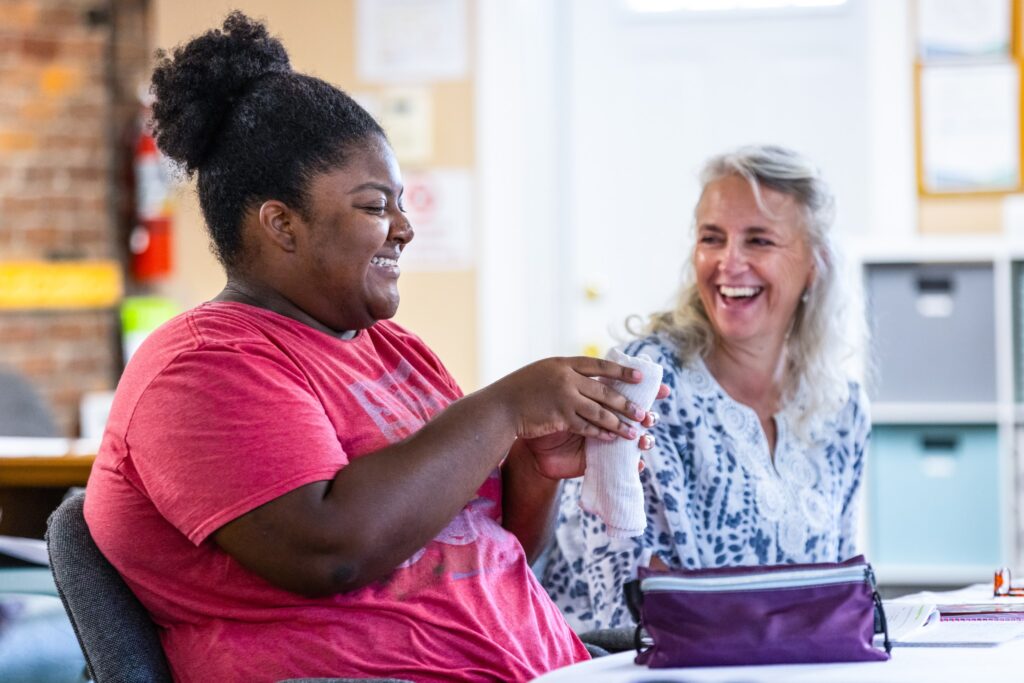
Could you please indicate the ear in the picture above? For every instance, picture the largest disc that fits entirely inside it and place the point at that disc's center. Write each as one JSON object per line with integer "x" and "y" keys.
{"x": 277, "y": 224}
{"x": 812, "y": 275}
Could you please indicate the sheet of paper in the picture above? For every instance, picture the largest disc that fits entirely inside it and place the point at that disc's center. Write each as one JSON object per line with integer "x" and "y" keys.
{"x": 905, "y": 618}
{"x": 963, "y": 28}
{"x": 970, "y": 127}
{"x": 411, "y": 41}
{"x": 439, "y": 204}
{"x": 406, "y": 114}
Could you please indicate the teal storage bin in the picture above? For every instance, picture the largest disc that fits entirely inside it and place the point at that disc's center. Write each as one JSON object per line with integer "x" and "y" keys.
{"x": 934, "y": 497}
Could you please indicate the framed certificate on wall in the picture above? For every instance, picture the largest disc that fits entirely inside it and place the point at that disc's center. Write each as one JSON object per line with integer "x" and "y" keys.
{"x": 963, "y": 29}
{"x": 969, "y": 128}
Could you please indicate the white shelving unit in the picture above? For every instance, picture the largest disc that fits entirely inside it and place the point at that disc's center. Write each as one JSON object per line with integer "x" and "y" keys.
{"x": 903, "y": 543}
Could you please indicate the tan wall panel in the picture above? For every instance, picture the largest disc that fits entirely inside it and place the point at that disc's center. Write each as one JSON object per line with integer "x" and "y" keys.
{"x": 960, "y": 215}
{"x": 317, "y": 33}
{"x": 437, "y": 306}
{"x": 197, "y": 274}
{"x": 454, "y": 130}
{"x": 320, "y": 38}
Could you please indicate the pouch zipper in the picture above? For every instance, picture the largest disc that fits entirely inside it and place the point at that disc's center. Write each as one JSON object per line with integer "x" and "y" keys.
{"x": 795, "y": 578}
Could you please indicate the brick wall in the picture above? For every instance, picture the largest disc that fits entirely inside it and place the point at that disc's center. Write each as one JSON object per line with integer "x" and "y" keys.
{"x": 69, "y": 70}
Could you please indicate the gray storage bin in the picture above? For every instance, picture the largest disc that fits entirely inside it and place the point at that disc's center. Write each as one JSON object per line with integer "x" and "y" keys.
{"x": 933, "y": 330}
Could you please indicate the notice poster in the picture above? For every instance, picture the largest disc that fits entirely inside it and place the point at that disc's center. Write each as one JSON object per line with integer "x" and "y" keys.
{"x": 439, "y": 206}
{"x": 409, "y": 41}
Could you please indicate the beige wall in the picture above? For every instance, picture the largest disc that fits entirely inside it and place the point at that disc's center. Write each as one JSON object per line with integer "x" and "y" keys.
{"x": 320, "y": 38}
{"x": 961, "y": 215}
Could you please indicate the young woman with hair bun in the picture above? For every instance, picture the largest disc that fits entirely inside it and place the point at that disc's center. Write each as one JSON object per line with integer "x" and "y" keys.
{"x": 291, "y": 484}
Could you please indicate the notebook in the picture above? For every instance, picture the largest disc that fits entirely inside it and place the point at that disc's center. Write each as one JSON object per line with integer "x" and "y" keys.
{"x": 954, "y": 624}
{"x": 982, "y": 611}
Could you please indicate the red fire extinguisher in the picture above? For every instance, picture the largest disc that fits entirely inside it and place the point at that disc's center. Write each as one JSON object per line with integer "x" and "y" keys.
{"x": 150, "y": 242}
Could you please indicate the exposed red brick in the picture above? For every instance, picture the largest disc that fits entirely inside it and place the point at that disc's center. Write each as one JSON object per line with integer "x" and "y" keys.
{"x": 42, "y": 49}
{"x": 38, "y": 366}
{"x": 15, "y": 15}
{"x": 15, "y": 331}
{"x": 56, "y": 109}
{"x": 63, "y": 15}
{"x": 89, "y": 48}
{"x": 43, "y": 238}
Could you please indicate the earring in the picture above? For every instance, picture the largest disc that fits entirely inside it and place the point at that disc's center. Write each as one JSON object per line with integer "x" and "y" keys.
{"x": 805, "y": 296}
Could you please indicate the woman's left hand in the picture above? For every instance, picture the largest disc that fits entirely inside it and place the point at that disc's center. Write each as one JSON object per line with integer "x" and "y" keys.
{"x": 562, "y": 455}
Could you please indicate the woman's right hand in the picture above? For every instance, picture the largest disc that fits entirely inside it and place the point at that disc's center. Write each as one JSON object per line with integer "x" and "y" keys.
{"x": 566, "y": 395}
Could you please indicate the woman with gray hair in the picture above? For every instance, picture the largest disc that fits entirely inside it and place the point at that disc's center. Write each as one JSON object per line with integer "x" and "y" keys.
{"x": 760, "y": 445}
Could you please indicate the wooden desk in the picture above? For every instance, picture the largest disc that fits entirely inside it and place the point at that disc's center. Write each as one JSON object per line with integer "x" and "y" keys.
{"x": 63, "y": 471}
{"x": 32, "y": 487}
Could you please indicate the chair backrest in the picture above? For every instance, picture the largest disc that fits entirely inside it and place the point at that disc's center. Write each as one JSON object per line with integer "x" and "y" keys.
{"x": 22, "y": 410}
{"x": 118, "y": 638}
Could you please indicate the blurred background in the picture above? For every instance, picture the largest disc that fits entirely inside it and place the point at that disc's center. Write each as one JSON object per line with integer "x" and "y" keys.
{"x": 550, "y": 151}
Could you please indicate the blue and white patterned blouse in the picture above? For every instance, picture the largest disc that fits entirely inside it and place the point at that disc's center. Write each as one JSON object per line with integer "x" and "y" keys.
{"x": 713, "y": 496}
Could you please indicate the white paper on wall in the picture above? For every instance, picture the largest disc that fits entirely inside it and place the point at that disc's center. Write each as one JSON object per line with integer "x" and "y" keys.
{"x": 411, "y": 40}
{"x": 440, "y": 208}
{"x": 963, "y": 28}
{"x": 970, "y": 127}
{"x": 406, "y": 114}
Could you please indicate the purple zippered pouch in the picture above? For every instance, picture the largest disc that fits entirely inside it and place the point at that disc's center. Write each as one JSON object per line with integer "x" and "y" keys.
{"x": 778, "y": 614}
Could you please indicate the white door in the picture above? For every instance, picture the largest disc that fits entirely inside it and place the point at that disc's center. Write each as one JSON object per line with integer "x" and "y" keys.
{"x": 608, "y": 115}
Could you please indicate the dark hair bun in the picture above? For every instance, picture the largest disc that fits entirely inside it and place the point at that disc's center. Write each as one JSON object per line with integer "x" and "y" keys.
{"x": 199, "y": 84}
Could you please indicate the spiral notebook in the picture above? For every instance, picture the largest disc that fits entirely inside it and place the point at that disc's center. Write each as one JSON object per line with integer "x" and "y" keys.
{"x": 954, "y": 624}
{"x": 982, "y": 611}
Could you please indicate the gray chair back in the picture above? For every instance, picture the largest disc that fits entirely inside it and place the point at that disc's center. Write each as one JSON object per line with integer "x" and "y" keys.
{"x": 118, "y": 638}
{"x": 22, "y": 410}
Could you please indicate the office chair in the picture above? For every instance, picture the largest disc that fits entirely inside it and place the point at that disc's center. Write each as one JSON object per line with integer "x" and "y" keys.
{"x": 118, "y": 638}
{"x": 114, "y": 630}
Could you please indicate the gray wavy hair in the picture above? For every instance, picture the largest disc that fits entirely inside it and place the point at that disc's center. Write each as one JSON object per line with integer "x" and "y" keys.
{"x": 815, "y": 385}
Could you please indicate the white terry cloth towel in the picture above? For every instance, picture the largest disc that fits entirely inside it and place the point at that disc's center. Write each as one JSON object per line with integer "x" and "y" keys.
{"x": 611, "y": 482}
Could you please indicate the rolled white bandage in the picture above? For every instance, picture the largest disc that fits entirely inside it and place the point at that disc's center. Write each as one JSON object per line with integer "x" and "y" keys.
{"x": 611, "y": 483}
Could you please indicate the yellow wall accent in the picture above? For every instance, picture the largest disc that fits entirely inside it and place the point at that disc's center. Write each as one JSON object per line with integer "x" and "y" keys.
{"x": 320, "y": 38}
{"x": 60, "y": 80}
{"x": 16, "y": 141}
{"x": 72, "y": 284}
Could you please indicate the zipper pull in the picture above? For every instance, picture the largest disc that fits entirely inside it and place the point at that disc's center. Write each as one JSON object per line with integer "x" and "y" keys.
{"x": 869, "y": 574}
{"x": 881, "y": 623}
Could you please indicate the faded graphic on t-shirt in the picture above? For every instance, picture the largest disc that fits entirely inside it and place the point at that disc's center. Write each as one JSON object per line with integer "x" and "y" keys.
{"x": 398, "y": 403}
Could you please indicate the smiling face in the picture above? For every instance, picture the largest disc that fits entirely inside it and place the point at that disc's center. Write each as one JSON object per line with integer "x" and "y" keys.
{"x": 752, "y": 265}
{"x": 349, "y": 250}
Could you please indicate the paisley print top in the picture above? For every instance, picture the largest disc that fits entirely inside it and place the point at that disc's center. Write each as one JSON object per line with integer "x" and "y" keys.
{"x": 713, "y": 495}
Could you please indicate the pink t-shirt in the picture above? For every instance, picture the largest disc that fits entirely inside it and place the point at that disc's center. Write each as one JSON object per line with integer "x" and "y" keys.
{"x": 229, "y": 406}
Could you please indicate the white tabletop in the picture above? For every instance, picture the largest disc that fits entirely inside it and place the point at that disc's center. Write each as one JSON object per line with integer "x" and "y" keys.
{"x": 1003, "y": 664}
{"x": 1000, "y": 664}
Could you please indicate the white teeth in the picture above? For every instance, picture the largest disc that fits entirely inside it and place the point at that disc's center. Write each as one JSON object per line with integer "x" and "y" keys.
{"x": 738, "y": 292}
{"x": 386, "y": 262}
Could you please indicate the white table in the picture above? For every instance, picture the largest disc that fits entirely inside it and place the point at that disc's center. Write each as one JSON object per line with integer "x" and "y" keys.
{"x": 1003, "y": 664}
